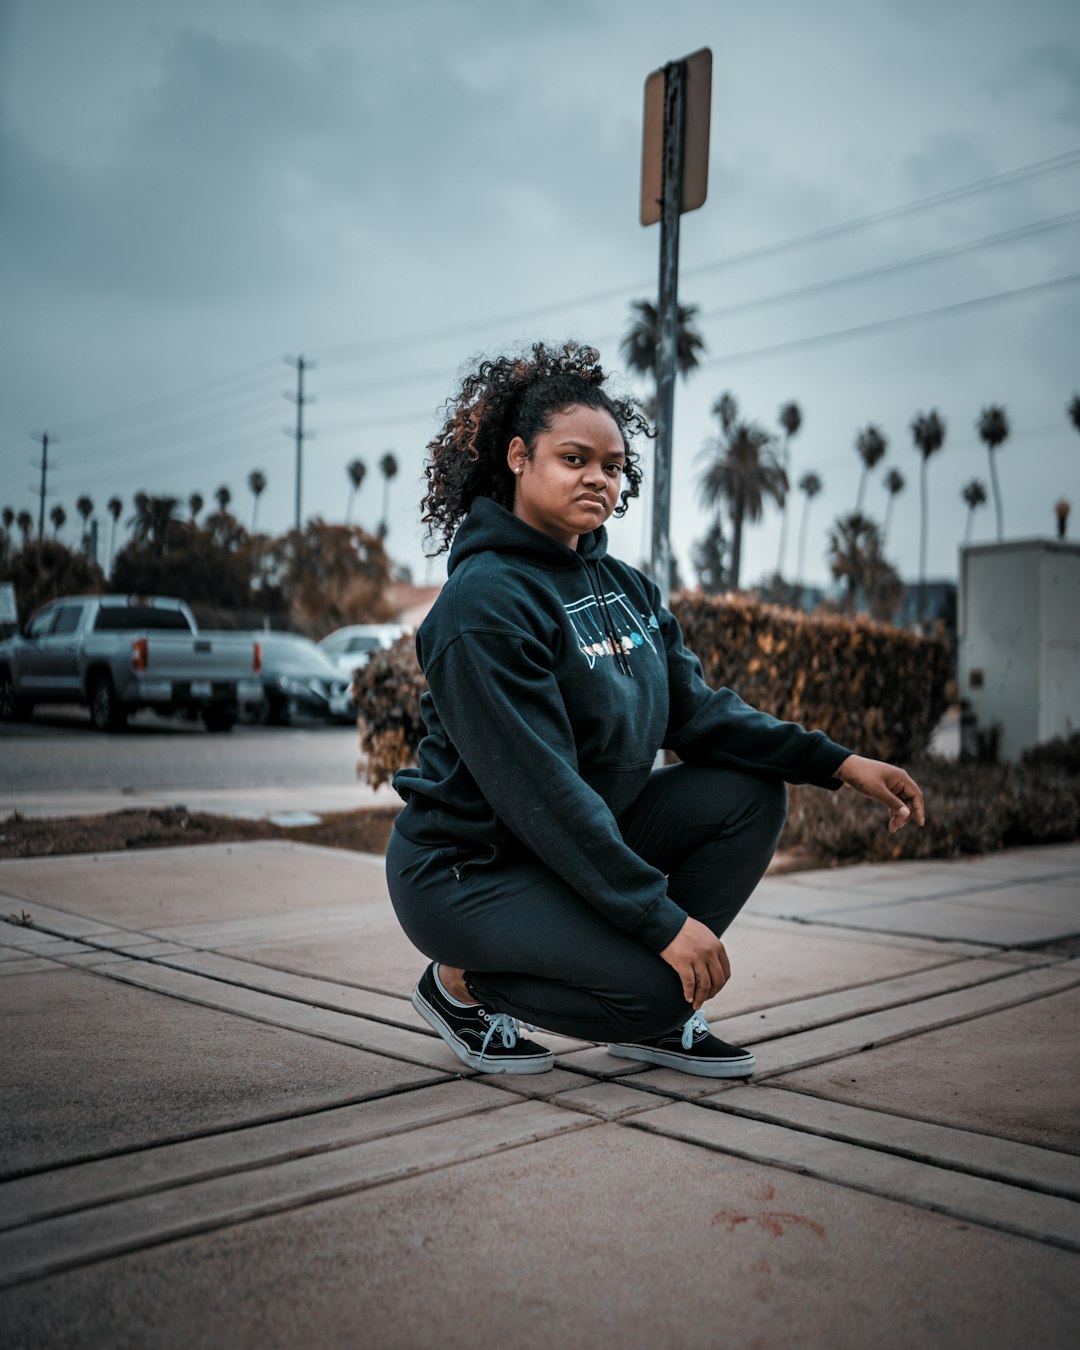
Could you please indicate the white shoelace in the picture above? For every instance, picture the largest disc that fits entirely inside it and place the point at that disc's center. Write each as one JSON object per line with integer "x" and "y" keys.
{"x": 499, "y": 1022}
{"x": 507, "y": 1027}
{"x": 693, "y": 1024}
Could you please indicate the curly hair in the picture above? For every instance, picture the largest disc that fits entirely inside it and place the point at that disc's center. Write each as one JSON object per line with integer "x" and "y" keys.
{"x": 512, "y": 396}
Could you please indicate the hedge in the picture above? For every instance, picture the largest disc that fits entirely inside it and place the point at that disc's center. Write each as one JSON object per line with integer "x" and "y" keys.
{"x": 387, "y": 691}
{"x": 877, "y": 689}
{"x": 971, "y": 808}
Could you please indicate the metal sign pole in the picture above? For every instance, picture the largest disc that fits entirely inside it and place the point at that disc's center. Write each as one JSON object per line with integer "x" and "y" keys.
{"x": 667, "y": 315}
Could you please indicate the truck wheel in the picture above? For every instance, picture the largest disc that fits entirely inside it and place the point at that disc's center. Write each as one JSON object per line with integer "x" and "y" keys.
{"x": 13, "y": 708}
{"x": 106, "y": 711}
{"x": 274, "y": 710}
{"x": 220, "y": 718}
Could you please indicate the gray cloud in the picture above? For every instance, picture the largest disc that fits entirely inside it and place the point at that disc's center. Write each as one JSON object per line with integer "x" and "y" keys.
{"x": 190, "y": 189}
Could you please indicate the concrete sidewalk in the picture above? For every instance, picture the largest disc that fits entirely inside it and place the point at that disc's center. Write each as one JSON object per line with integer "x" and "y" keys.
{"x": 226, "y": 1126}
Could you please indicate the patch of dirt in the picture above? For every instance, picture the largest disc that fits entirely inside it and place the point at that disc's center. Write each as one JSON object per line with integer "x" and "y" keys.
{"x": 366, "y": 831}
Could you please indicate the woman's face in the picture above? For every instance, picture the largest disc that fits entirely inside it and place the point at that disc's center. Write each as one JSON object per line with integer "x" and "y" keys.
{"x": 571, "y": 482}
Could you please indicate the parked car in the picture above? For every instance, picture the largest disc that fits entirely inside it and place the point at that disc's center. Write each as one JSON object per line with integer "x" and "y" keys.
{"x": 298, "y": 680}
{"x": 351, "y": 648}
{"x": 119, "y": 653}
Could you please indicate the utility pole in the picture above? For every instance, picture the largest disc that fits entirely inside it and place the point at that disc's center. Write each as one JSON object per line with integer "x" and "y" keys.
{"x": 667, "y": 319}
{"x": 42, "y": 491}
{"x": 674, "y": 179}
{"x": 297, "y": 432}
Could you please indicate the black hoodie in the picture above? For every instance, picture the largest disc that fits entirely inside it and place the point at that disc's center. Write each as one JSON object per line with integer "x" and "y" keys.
{"x": 554, "y": 678}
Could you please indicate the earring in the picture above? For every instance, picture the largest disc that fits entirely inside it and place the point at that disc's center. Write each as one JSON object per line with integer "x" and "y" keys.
{"x": 517, "y": 470}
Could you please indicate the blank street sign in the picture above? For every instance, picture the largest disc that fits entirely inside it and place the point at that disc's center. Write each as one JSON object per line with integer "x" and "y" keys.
{"x": 695, "y": 175}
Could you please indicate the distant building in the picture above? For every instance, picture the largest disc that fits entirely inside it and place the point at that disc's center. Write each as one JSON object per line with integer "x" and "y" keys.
{"x": 1019, "y": 658}
{"x": 410, "y": 604}
{"x": 939, "y": 607}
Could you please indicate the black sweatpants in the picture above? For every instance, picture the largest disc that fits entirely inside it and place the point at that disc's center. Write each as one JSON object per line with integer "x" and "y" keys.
{"x": 533, "y": 947}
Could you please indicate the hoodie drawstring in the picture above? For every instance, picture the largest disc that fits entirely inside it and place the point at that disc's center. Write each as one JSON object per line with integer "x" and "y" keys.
{"x": 608, "y": 622}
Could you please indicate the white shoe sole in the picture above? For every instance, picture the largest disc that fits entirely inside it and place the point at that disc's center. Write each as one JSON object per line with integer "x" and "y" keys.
{"x": 490, "y": 1063}
{"x": 701, "y": 1068}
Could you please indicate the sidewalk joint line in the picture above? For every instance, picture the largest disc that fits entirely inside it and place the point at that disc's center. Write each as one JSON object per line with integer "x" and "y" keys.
{"x": 896, "y": 1150}
{"x": 181, "y": 1232}
{"x": 1006, "y": 973}
{"x": 217, "y": 1132}
{"x": 820, "y": 1174}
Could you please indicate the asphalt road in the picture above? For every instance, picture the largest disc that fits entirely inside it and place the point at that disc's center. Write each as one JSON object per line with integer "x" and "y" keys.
{"x": 58, "y": 750}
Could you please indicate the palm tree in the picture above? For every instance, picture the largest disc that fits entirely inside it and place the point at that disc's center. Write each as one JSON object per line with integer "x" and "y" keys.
{"x": 895, "y": 483}
{"x": 85, "y": 507}
{"x": 357, "y": 471}
{"x": 993, "y": 427}
{"x": 871, "y": 445}
{"x": 641, "y": 345}
{"x": 25, "y": 522}
{"x": 743, "y": 472}
{"x": 707, "y": 557}
{"x": 8, "y": 517}
{"x": 1073, "y": 409}
{"x": 974, "y": 494}
{"x": 152, "y": 519}
{"x": 928, "y": 432}
{"x": 114, "y": 508}
{"x": 223, "y": 496}
{"x": 811, "y": 485}
{"x": 854, "y": 547}
{"x": 58, "y": 516}
{"x": 790, "y": 418}
{"x": 195, "y": 504}
{"x": 257, "y": 486}
{"x": 641, "y": 348}
{"x": 388, "y": 467}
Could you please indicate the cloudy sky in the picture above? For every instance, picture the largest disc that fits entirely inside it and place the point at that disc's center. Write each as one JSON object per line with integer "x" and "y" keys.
{"x": 191, "y": 193}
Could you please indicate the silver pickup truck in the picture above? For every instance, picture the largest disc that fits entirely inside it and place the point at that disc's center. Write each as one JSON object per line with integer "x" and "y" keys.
{"x": 119, "y": 653}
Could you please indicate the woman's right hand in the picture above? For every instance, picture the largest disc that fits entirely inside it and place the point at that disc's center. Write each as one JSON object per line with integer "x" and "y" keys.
{"x": 700, "y": 960}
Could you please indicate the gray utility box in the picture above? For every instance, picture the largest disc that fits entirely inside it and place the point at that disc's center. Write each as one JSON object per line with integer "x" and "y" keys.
{"x": 1019, "y": 640}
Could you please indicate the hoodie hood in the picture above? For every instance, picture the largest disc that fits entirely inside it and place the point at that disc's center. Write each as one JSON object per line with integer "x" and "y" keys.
{"x": 491, "y": 528}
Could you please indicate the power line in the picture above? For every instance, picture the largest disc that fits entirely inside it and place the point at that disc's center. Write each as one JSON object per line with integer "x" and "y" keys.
{"x": 135, "y": 457}
{"x": 79, "y": 427}
{"x": 851, "y": 278}
{"x": 361, "y": 386}
{"x": 371, "y": 423}
{"x": 1041, "y": 166}
{"x": 1050, "y": 165}
{"x": 217, "y": 426}
{"x": 901, "y": 264}
{"x": 811, "y": 340}
{"x": 880, "y": 325}
{"x": 246, "y": 373}
{"x": 171, "y": 419}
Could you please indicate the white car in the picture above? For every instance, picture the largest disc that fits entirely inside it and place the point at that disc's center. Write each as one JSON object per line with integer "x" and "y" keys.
{"x": 351, "y": 647}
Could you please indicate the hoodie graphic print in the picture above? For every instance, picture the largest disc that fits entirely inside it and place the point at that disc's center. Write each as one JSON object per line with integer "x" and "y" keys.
{"x": 631, "y": 630}
{"x": 554, "y": 677}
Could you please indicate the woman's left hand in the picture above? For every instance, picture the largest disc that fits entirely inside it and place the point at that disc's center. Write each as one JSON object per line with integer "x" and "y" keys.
{"x": 885, "y": 783}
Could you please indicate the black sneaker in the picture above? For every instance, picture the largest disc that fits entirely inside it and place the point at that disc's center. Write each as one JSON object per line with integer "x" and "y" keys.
{"x": 483, "y": 1040}
{"x": 691, "y": 1048}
